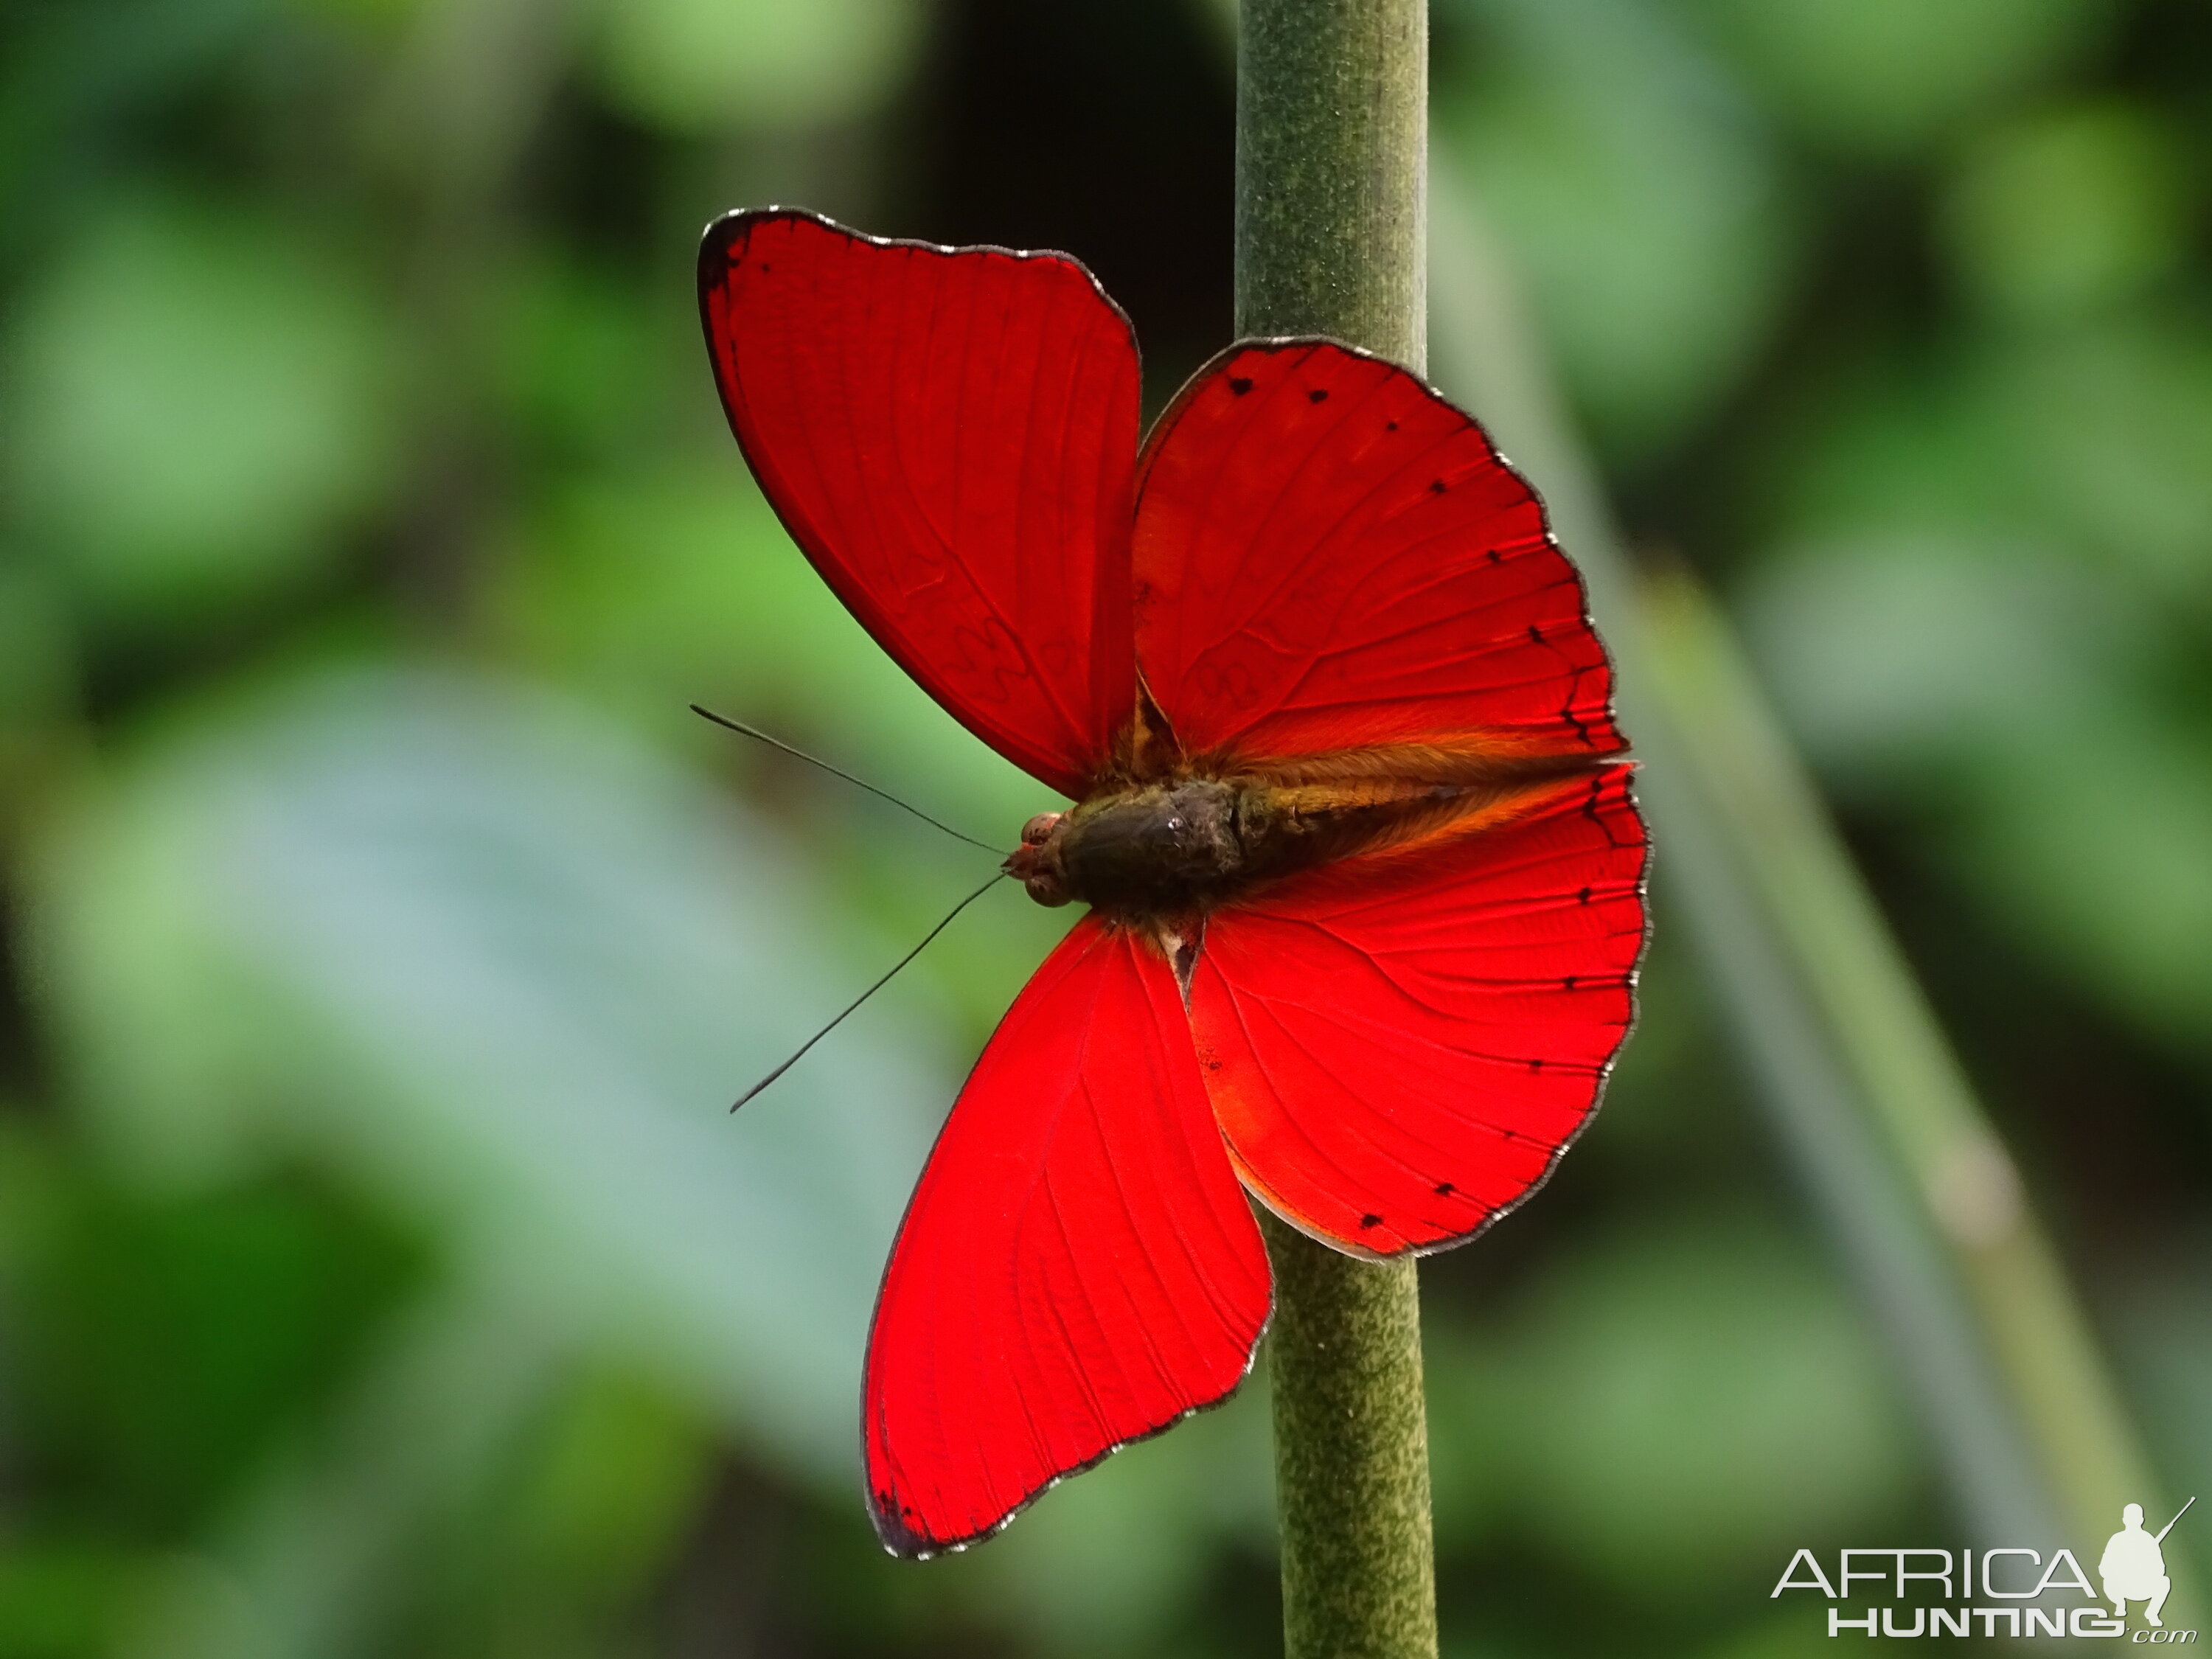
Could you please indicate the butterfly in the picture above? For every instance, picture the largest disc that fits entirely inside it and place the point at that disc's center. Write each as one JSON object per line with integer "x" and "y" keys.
{"x": 1350, "y": 814}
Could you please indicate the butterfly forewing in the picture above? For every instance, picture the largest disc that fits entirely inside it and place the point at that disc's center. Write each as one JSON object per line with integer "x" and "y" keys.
{"x": 1078, "y": 1266}
{"x": 1329, "y": 555}
{"x": 950, "y": 435}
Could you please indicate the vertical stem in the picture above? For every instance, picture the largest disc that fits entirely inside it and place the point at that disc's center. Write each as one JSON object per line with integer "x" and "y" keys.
{"x": 1352, "y": 1454}
{"x": 1332, "y": 173}
{"x": 1332, "y": 124}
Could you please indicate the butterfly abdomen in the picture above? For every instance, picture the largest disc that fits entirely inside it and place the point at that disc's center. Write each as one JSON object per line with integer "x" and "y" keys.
{"x": 1185, "y": 844}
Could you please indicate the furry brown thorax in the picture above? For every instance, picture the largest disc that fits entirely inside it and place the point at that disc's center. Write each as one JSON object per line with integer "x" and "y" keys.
{"x": 1193, "y": 837}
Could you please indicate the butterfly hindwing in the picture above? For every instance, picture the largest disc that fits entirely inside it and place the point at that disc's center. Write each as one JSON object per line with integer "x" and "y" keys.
{"x": 1398, "y": 1046}
{"x": 950, "y": 435}
{"x": 1078, "y": 1266}
{"x": 1328, "y": 555}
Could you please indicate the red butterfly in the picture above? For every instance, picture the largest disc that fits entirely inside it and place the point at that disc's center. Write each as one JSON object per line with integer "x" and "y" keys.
{"x": 1365, "y": 878}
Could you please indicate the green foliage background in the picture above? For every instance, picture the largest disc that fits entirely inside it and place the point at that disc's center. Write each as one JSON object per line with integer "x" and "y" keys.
{"x": 379, "y": 1273}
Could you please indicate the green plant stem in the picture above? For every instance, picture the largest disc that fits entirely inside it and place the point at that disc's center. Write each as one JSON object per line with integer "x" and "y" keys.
{"x": 1331, "y": 132}
{"x": 1351, "y": 1453}
{"x": 1332, "y": 173}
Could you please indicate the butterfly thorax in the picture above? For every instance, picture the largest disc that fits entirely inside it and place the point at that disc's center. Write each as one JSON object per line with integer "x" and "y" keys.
{"x": 1194, "y": 839}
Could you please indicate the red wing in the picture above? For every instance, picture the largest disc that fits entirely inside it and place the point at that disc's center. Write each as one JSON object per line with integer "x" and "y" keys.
{"x": 1078, "y": 1268}
{"x": 1399, "y": 1046}
{"x": 1328, "y": 556}
{"x": 951, "y": 435}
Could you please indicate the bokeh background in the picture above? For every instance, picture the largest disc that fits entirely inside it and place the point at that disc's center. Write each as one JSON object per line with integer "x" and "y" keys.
{"x": 379, "y": 1274}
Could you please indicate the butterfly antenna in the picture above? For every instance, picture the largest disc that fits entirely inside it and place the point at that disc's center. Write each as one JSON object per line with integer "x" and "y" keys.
{"x": 754, "y": 731}
{"x": 872, "y": 990}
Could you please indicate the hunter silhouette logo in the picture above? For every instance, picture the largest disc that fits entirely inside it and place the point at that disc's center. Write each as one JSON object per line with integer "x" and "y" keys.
{"x": 2002, "y": 1591}
{"x": 2133, "y": 1565}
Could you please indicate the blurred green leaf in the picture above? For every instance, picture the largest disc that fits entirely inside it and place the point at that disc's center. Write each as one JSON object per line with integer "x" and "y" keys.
{"x": 394, "y": 1516}
{"x": 701, "y": 65}
{"x": 1882, "y": 76}
{"x": 39, "y": 691}
{"x": 578, "y": 365}
{"x": 1979, "y": 616}
{"x": 2162, "y": 1318}
{"x": 36, "y": 652}
{"x": 2098, "y": 863}
{"x": 2067, "y": 210}
{"x": 163, "y": 1347}
{"x": 1801, "y": 1633}
{"x": 1897, "y": 652}
{"x": 1638, "y": 190}
{"x": 2111, "y": 428}
{"x": 1984, "y": 691}
{"x": 74, "y": 79}
{"x": 2092, "y": 443}
{"x": 63, "y": 1599}
{"x": 1675, "y": 1401}
{"x": 479, "y": 950}
{"x": 195, "y": 408}
{"x": 620, "y": 1470}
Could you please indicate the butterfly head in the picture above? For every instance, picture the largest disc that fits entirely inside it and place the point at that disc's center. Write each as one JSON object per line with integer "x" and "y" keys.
{"x": 1036, "y": 862}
